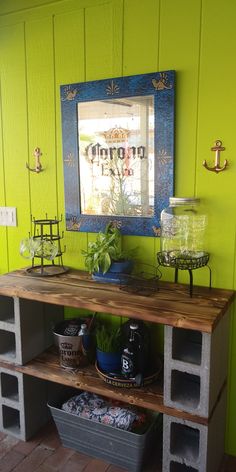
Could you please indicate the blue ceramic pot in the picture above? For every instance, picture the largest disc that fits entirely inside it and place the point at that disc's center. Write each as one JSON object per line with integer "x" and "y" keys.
{"x": 109, "y": 361}
{"x": 123, "y": 267}
{"x": 116, "y": 272}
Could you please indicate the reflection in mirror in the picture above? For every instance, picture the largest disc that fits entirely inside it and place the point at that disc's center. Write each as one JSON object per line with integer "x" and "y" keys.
{"x": 116, "y": 163}
{"x": 118, "y": 141}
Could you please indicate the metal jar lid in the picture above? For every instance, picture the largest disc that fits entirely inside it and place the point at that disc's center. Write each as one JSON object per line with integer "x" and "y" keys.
{"x": 133, "y": 326}
{"x": 174, "y": 201}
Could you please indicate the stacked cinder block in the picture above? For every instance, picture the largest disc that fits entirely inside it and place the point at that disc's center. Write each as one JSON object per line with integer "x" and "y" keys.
{"x": 26, "y": 329}
{"x": 192, "y": 447}
{"x": 23, "y": 403}
{"x": 195, "y": 371}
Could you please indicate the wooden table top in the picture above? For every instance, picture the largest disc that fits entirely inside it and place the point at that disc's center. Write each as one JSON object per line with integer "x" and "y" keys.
{"x": 171, "y": 304}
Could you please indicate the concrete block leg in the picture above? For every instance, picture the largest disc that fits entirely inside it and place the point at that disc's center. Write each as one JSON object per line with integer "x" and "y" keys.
{"x": 34, "y": 320}
{"x": 195, "y": 368}
{"x": 23, "y": 404}
{"x": 193, "y": 447}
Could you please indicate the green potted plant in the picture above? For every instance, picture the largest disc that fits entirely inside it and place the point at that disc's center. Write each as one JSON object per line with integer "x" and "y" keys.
{"x": 108, "y": 348}
{"x": 105, "y": 258}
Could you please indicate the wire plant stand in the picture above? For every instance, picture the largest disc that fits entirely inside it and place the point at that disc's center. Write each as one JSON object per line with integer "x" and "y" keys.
{"x": 46, "y": 243}
{"x": 189, "y": 261}
{"x": 144, "y": 282}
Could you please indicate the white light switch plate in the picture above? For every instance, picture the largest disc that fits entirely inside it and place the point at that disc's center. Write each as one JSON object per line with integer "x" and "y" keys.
{"x": 8, "y": 216}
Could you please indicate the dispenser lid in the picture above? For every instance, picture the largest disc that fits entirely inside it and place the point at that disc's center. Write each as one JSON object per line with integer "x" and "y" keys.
{"x": 184, "y": 200}
{"x": 133, "y": 326}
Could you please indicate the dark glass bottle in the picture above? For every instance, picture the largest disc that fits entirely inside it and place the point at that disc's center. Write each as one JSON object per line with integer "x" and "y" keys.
{"x": 130, "y": 355}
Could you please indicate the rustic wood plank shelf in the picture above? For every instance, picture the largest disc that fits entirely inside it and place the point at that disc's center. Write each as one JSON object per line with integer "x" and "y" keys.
{"x": 170, "y": 305}
{"x": 47, "y": 367}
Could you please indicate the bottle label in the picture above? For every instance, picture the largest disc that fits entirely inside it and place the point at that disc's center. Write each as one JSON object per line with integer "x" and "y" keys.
{"x": 127, "y": 365}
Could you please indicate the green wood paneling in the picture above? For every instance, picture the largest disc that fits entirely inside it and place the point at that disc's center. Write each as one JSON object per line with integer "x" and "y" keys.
{"x": 145, "y": 250}
{"x": 99, "y": 41}
{"x": 44, "y": 44}
{"x": 217, "y": 102}
{"x": 117, "y": 38}
{"x": 140, "y": 55}
{"x": 3, "y": 230}
{"x": 69, "y": 68}
{"x": 41, "y": 110}
{"x": 50, "y": 8}
{"x": 180, "y": 25}
{"x": 179, "y": 37}
{"x": 216, "y": 121}
{"x": 11, "y": 6}
{"x": 141, "y": 33}
{"x": 14, "y": 122}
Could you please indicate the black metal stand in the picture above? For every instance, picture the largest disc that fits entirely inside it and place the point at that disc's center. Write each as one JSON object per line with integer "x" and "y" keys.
{"x": 47, "y": 231}
{"x": 184, "y": 262}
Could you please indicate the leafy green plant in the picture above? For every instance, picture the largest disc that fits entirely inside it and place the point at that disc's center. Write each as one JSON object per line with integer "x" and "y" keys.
{"x": 108, "y": 339}
{"x": 106, "y": 249}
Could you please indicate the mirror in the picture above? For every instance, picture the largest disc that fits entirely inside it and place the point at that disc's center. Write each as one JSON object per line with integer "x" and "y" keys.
{"x": 116, "y": 163}
{"x": 118, "y": 152}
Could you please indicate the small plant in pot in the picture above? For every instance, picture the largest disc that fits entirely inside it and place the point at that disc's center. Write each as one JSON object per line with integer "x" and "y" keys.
{"x": 105, "y": 259}
{"x": 108, "y": 348}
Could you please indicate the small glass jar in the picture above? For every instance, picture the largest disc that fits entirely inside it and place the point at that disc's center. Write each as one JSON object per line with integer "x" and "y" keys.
{"x": 183, "y": 227}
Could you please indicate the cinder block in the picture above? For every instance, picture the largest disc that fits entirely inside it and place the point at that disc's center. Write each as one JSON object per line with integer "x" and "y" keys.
{"x": 7, "y": 315}
{"x": 195, "y": 367}
{"x": 176, "y": 467}
{"x": 8, "y": 345}
{"x": 9, "y": 385}
{"x": 23, "y": 404}
{"x": 26, "y": 328}
{"x": 190, "y": 447}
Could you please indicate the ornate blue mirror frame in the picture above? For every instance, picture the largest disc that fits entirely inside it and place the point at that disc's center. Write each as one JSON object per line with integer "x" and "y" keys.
{"x": 118, "y": 144}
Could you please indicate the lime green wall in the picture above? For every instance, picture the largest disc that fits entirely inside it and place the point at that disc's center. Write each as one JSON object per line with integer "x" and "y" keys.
{"x": 45, "y": 43}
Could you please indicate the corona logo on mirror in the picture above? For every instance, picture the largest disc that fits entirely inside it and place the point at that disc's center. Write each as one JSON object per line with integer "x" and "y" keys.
{"x": 103, "y": 155}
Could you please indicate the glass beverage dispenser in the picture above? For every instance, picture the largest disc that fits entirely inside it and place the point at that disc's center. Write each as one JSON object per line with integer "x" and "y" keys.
{"x": 183, "y": 226}
{"x": 183, "y": 229}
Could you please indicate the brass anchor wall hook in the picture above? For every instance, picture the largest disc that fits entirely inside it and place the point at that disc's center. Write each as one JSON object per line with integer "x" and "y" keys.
{"x": 217, "y": 148}
{"x": 38, "y": 165}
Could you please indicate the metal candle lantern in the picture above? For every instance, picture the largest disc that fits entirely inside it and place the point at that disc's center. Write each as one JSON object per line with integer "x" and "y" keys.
{"x": 45, "y": 245}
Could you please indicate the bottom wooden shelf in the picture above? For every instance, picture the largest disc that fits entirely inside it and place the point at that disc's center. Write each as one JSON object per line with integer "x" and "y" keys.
{"x": 46, "y": 366}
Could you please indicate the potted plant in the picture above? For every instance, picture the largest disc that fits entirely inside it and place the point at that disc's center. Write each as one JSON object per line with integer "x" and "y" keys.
{"x": 105, "y": 258}
{"x": 108, "y": 348}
